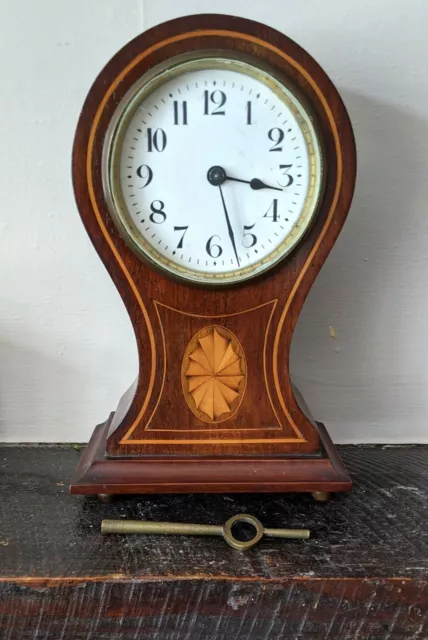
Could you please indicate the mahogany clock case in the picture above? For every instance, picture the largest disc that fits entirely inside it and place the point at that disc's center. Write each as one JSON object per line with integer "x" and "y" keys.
{"x": 156, "y": 441}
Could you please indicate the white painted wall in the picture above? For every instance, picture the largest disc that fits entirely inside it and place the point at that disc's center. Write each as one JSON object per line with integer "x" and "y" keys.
{"x": 67, "y": 350}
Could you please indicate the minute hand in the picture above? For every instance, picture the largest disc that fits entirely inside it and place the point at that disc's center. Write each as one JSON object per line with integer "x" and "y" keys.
{"x": 255, "y": 183}
{"x": 229, "y": 226}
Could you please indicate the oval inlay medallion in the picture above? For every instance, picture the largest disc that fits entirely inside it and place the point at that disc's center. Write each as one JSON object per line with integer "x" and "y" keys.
{"x": 214, "y": 374}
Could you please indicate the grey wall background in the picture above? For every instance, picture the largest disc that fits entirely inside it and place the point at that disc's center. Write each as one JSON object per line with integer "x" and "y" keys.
{"x": 67, "y": 350}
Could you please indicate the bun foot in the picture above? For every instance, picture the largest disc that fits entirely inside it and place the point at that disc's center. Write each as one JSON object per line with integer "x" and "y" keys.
{"x": 321, "y": 496}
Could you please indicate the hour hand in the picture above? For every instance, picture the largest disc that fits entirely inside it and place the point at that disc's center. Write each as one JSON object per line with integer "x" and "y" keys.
{"x": 257, "y": 184}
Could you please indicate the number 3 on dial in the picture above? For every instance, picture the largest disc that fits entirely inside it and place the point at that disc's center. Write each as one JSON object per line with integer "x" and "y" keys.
{"x": 285, "y": 169}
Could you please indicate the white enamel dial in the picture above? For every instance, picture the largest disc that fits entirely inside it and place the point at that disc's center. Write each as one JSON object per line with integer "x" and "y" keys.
{"x": 213, "y": 170}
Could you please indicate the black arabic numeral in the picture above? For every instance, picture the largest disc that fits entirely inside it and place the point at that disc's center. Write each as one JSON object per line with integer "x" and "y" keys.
{"x": 145, "y": 173}
{"x": 276, "y": 135}
{"x": 157, "y": 212}
{"x": 249, "y": 112}
{"x": 156, "y": 139}
{"x": 285, "y": 173}
{"x": 180, "y": 242}
{"x": 211, "y": 247}
{"x": 274, "y": 215}
{"x": 218, "y": 99}
{"x": 177, "y": 112}
{"x": 249, "y": 235}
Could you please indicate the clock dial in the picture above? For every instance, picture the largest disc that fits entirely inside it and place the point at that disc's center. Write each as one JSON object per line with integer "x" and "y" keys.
{"x": 213, "y": 170}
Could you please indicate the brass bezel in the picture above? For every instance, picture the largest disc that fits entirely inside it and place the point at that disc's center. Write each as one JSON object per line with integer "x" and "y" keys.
{"x": 117, "y": 129}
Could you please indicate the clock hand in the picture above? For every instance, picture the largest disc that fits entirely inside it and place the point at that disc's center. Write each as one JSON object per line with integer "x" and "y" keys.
{"x": 229, "y": 226}
{"x": 217, "y": 175}
{"x": 255, "y": 183}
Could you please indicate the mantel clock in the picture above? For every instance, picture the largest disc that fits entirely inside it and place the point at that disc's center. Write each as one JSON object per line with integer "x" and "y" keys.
{"x": 213, "y": 167}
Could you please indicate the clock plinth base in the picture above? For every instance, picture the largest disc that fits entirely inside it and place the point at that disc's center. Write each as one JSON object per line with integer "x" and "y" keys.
{"x": 316, "y": 474}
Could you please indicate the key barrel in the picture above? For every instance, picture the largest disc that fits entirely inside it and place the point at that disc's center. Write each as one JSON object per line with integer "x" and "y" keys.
{"x": 163, "y": 528}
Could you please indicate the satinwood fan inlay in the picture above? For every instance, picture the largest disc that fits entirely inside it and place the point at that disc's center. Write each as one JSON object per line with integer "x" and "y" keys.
{"x": 214, "y": 374}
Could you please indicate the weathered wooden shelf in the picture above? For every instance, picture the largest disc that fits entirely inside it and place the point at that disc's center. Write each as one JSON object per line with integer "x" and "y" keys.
{"x": 362, "y": 576}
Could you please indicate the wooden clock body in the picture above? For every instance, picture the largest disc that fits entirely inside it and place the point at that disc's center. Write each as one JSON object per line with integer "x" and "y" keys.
{"x": 264, "y": 439}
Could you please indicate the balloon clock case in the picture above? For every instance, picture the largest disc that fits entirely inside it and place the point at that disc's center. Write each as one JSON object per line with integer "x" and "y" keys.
{"x": 213, "y": 167}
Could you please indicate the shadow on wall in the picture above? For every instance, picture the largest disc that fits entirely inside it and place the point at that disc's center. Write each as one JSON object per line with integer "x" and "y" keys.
{"x": 40, "y": 393}
{"x": 367, "y": 288}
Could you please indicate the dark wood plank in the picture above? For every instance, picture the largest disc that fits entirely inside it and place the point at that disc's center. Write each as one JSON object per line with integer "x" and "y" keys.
{"x": 363, "y": 575}
{"x": 377, "y": 529}
{"x": 210, "y": 610}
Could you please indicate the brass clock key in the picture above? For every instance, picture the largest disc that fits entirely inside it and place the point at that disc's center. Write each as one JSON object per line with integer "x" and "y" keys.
{"x": 180, "y": 528}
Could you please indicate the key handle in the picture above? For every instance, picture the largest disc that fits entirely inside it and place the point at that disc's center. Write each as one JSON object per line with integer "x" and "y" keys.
{"x": 243, "y": 545}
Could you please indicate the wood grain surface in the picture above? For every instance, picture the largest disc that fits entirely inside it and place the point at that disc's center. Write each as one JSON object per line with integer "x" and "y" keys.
{"x": 362, "y": 575}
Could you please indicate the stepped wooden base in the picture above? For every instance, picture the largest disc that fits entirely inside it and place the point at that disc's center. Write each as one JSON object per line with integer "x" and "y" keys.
{"x": 97, "y": 474}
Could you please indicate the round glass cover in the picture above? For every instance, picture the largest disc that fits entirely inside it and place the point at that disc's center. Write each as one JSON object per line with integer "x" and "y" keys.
{"x": 212, "y": 169}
